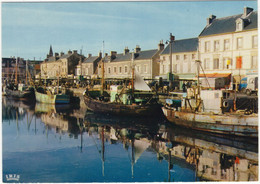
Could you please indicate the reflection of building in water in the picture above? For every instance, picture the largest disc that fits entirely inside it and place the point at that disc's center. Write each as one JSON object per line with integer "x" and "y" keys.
{"x": 212, "y": 165}
{"x": 221, "y": 167}
{"x": 56, "y": 121}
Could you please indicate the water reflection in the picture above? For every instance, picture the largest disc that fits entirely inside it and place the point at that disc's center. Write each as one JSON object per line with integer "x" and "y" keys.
{"x": 117, "y": 149}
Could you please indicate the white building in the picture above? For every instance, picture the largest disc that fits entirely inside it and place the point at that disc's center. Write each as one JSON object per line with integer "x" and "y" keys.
{"x": 229, "y": 45}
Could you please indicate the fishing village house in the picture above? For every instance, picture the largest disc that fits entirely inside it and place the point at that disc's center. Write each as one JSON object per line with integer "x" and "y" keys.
{"x": 12, "y": 67}
{"x": 229, "y": 46}
{"x": 62, "y": 65}
{"x": 184, "y": 53}
{"x": 120, "y": 65}
{"x": 88, "y": 67}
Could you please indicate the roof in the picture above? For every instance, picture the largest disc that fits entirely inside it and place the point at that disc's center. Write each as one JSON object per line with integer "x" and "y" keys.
{"x": 185, "y": 45}
{"x": 142, "y": 55}
{"x": 215, "y": 75}
{"x": 147, "y": 54}
{"x": 90, "y": 59}
{"x": 228, "y": 24}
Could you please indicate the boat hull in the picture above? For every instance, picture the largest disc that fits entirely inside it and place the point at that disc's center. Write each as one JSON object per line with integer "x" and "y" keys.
{"x": 19, "y": 94}
{"x": 121, "y": 109}
{"x": 230, "y": 124}
{"x": 52, "y": 99}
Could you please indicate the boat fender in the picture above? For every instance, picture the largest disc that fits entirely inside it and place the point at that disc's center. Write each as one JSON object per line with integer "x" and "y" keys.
{"x": 225, "y": 104}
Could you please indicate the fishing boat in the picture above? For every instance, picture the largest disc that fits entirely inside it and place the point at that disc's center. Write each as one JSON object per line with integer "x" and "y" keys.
{"x": 213, "y": 111}
{"x": 23, "y": 92}
{"x": 134, "y": 101}
{"x": 51, "y": 96}
{"x": 19, "y": 90}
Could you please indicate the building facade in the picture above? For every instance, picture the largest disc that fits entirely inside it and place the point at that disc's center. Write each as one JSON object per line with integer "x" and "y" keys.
{"x": 88, "y": 67}
{"x": 60, "y": 65}
{"x": 179, "y": 58}
{"x": 146, "y": 63}
{"x": 229, "y": 45}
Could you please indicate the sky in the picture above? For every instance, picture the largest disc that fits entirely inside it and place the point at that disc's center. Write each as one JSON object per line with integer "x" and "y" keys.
{"x": 28, "y": 29}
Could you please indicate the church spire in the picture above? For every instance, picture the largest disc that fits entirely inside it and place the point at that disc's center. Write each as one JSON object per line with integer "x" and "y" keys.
{"x": 50, "y": 52}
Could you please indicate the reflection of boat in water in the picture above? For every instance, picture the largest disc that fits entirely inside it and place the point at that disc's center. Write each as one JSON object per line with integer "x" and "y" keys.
{"x": 45, "y": 108}
{"x": 215, "y": 158}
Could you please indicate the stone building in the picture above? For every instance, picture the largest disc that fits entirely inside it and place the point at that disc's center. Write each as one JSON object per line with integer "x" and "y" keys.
{"x": 88, "y": 67}
{"x": 62, "y": 65}
{"x": 183, "y": 53}
{"x": 146, "y": 63}
{"x": 229, "y": 45}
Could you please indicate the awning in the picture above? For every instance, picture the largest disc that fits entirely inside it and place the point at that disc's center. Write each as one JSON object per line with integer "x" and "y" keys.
{"x": 215, "y": 75}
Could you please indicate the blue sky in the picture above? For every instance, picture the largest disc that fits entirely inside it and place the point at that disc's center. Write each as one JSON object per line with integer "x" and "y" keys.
{"x": 28, "y": 29}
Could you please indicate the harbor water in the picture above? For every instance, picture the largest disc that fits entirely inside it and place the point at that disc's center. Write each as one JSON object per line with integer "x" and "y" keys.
{"x": 48, "y": 143}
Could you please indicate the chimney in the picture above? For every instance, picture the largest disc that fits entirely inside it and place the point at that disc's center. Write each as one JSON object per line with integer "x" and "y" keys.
{"x": 100, "y": 54}
{"x": 69, "y": 52}
{"x": 161, "y": 45}
{"x": 113, "y": 55}
{"x": 247, "y": 11}
{"x": 89, "y": 55}
{"x": 75, "y": 51}
{"x": 137, "y": 49}
{"x": 56, "y": 54}
{"x": 106, "y": 54}
{"x": 62, "y": 53}
{"x": 126, "y": 50}
{"x": 172, "y": 38}
{"x": 210, "y": 19}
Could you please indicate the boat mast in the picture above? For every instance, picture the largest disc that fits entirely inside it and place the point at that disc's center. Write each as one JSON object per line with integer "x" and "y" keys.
{"x": 26, "y": 68}
{"x": 102, "y": 72}
{"x": 133, "y": 72}
{"x": 16, "y": 65}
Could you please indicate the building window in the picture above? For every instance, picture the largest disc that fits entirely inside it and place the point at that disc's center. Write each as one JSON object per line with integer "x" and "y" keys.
{"x": 193, "y": 56}
{"x": 254, "y": 62}
{"x": 125, "y": 69}
{"x": 86, "y": 71}
{"x": 163, "y": 69}
{"x": 206, "y": 63}
{"x": 255, "y": 41}
{"x": 177, "y": 57}
{"x": 216, "y": 45}
{"x": 120, "y": 69}
{"x": 114, "y": 69}
{"x": 226, "y": 44}
{"x": 185, "y": 57}
{"x": 109, "y": 70}
{"x": 207, "y": 46}
{"x": 216, "y": 63}
{"x": 138, "y": 68}
{"x": 145, "y": 68}
{"x": 239, "y": 43}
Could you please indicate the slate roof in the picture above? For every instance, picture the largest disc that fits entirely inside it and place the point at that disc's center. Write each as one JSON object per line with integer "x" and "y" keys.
{"x": 185, "y": 45}
{"x": 228, "y": 24}
{"x": 147, "y": 54}
{"x": 90, "y": 59}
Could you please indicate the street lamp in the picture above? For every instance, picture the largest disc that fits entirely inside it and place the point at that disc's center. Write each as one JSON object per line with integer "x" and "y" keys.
{"x": 170, "y": 47}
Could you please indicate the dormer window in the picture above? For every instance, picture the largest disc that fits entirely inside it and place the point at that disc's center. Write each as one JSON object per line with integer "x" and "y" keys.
{"x": 239, "y": 24}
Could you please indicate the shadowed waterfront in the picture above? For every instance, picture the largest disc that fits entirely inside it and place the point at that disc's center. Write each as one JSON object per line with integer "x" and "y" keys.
{"x": 46, "y": 143}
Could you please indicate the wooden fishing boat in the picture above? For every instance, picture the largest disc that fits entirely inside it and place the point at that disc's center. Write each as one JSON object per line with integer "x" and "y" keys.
{"x": 122, "y": 100}
{"x": 230, "y": 123}
{"x": 46, "y": 96}
{"x": 214, "y": 111}
{"x": 144, "y": 107}
{"x": 20, "y": 93}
